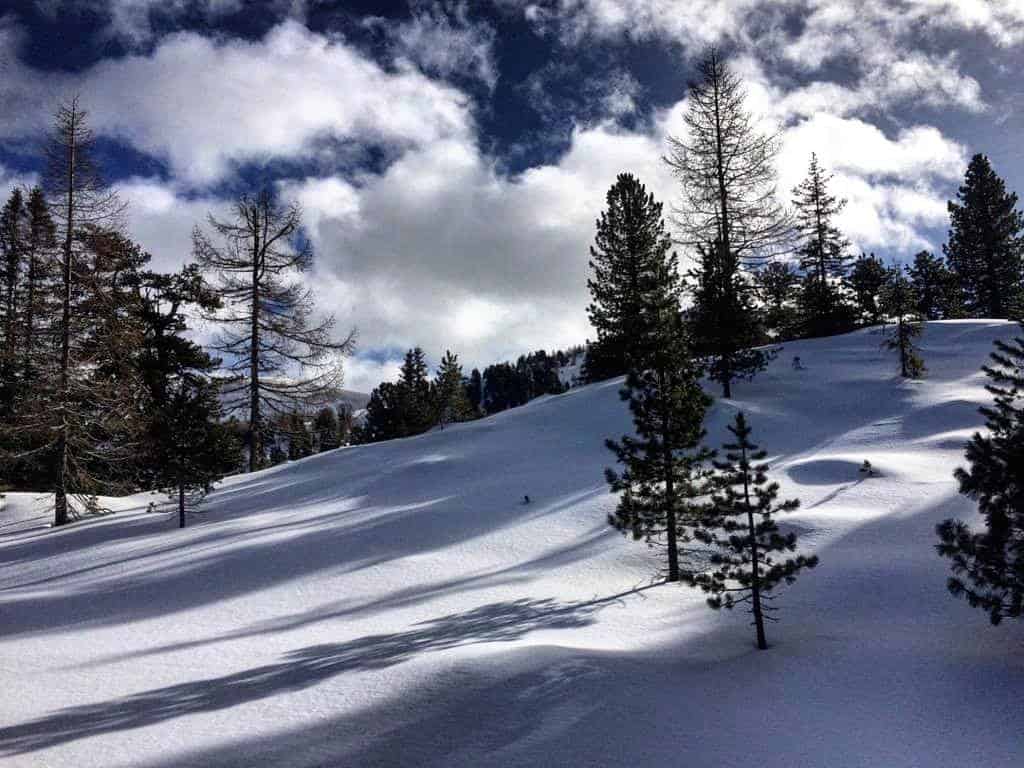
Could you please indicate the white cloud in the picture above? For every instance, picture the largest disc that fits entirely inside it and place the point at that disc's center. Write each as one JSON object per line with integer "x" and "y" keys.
{"x": 204, "y": 105}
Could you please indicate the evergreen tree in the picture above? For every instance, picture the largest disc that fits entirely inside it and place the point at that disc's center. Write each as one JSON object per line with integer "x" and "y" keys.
{"x": 899, "y": 301}
{"x": 326, "y": 430}
{"x": 268, "y": 331}
{"x": 451, "y": 403}
{"x": 776, "y": 285}
{"x": 867, "y": 280}
{"x": 936, "y": 287}
{"x": 385, "y": 415}
{"x": 475, "y": 390}
{"x": 824, "y": 252}
{"x": 739, "y": 529}
{"x": 662, "y": 464}
{"x": 300, "y": 442}
{"x": 723, "y": 324}
{"x": 40, "y": 294}
{"x": 418, "y": 412}
{"x": 988, "y": 566}
{"x": 630, "y": 248}
{"x": 986, "y": 243}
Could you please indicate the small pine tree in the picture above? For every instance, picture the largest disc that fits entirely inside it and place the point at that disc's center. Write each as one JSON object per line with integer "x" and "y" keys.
{"x": 326, "y": 430}
{"x": 867, "y": 280}
{"x": 743, "y": 537}
{"x": 450, "y": 400}
{"x": 938, "y": 294}
{"x": 417, "y": 406}
{"x": 899, "y": 301}
{"x": 663, "y": 464}
{"x": 988, "y": 566}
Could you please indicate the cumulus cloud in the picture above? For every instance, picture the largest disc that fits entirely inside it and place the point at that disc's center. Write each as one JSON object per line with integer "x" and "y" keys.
{"x": 204, "y": 105}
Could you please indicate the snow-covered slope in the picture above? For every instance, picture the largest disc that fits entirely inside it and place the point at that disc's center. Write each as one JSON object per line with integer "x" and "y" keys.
{"x": 398, "y": 604}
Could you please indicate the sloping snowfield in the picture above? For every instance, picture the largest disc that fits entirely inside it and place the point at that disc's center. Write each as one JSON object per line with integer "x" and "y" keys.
{"x": 399, "y": 605}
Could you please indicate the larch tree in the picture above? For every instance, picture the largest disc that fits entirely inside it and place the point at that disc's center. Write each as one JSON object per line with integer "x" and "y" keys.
{"x": 899, "y": 302}
{"x": 630, "y": 249}
{"x": 988, "y": 565}
{"x": 986, "y": 243}
{"x": 280, "y": 356}
{"x": 824, "y": 255}
{"x": 726, "y": 170}
{"x": 739, "y": 530}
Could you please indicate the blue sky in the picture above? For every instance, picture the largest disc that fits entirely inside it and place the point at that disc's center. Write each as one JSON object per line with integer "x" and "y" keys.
{"x": 451, "y": 157}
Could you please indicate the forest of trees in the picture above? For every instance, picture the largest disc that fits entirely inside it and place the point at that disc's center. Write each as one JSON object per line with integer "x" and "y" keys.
{"x": 103, "y": 389}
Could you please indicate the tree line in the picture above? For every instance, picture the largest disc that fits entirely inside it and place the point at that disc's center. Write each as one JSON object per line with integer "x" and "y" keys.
{"x": 102, "y": 388}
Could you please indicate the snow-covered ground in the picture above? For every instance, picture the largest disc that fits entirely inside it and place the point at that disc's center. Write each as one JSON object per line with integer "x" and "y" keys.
{"x": 398, "y": 605}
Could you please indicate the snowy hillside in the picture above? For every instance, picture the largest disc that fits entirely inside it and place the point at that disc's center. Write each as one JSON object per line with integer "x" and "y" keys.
{"x": 399, "y": 605}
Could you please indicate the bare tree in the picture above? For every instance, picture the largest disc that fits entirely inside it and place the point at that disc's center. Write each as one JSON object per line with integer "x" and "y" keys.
{"x": 279, "y": 357}
{"x": 726, "y": 168}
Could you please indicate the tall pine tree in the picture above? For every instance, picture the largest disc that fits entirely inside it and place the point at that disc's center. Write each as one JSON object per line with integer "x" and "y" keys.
{"x": 986, "y": 243}
{"x": 988, "y": 565}
{"x": 630, "y": 247}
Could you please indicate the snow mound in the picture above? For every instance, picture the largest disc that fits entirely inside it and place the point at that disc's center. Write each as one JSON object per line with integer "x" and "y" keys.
{"x": 400, "y": 604}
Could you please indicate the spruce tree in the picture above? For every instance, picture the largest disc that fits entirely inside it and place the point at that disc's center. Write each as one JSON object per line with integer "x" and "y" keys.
{"x": 268, "y": 332}
{"x": 867, "y": 281}
{"x": 738, "y": 528}
{"x": 326, "y": 430}
{"x": 899, "y": 302}
{"x": 986, "y": 243}
{"x": 450, "y": 400}
{"x": 935, "y": 287}
{"x": 776, "y": 285}
{"x": 662, "y": 473}
{"x": 630, "y": 247}
{"x": 988, "y": 565}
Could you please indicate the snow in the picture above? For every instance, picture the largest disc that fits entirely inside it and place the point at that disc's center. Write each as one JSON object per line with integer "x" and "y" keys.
{"x": 398, "y": 604}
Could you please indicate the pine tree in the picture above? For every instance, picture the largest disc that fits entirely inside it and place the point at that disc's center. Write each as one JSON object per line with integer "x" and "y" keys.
{"x": 739, "y": 529}
{"x": 824, "y": 251}
{"x": 899, "y": 301}
{"x": 662, "y": 474}
{"x": 300, "y": 442}
{"x": 723, "y": 323}
{"x": 867, "y": 280}
{"x": 385, "y": 415}
{"x": 726, "y": 169}
{"x": 326, "y": 430}
{"x": 414, "y": 387}
{"x": 988, "y": 566}
{"x": 475, "y": 390}
{"x": 40, "y": 295}
{"x": 986, "y": 243}
{"x": 936, "y": 287}
{"x": 451, "y": 403}
{"x": 268, "y": 332}
{"x": 776, "y": 285}
{"x": 630, "y": 248}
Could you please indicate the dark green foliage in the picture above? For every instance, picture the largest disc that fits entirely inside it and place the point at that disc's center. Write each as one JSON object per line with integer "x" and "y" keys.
{"x": 414, "y": 387}
{"x": 821, "y": 310}
{"x": 936, "y": 287}
{"x": 300, "y": 441}
{"x": 326, "y": 430}
{"x": 776, "y": 285}
{"x": 449, "y": 392}
{"x": 508, "y": 386}
{"x": 13, "y": 245}
{"x": 899, "y": 302}
{"x": 630, "y": 251}
{"x": 743, "y": 538}
{"x": 723, "y": 323}
{"x": 385, "y": 418}
{"x": 988, "y": 566}
{"x": 662, "y": 471}
{"x": 475, "y": 390}
{"x": 867, "y": 279}
{"x": 986, "y": 247}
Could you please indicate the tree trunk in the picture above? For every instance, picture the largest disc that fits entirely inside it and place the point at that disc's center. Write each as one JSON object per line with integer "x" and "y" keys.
{"x": 255, "y": 428}
{"x": 755, "y": 580}
{"x": 670, "y": 492}
{"x": 60, "y": 502}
